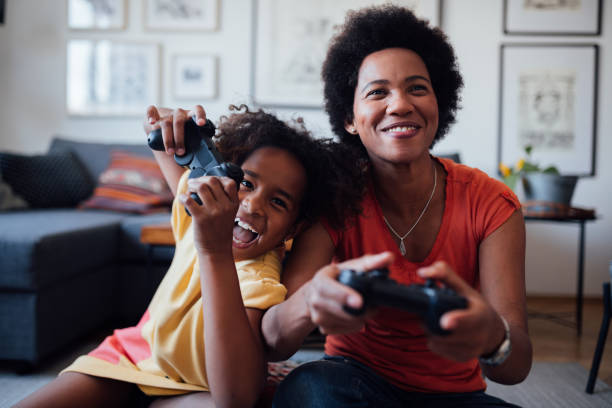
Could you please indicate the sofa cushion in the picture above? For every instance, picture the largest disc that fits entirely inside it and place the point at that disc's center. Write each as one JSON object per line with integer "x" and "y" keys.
{"x": 132, "y": 184}
{"x": 8, "y": 199}
{"x": 52, "y": 180}
{"x": 96, "y": 156}
{"x": 39, "y": 247}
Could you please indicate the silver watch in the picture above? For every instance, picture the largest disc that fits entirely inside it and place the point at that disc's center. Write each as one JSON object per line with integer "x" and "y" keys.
{"x": 503, "y": 351}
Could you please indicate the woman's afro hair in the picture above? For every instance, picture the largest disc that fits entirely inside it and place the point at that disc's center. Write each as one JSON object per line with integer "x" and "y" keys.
{"x": 335, "y": 185}
{"x": 377, "y": 28}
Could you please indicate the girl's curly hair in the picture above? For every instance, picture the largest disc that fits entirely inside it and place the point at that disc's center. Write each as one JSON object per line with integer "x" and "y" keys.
{"x": 334, "y": 184}
{"x": 377, "y": 28}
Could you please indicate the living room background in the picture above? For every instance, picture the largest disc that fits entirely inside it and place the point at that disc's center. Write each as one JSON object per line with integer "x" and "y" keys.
{"x": 33, "y": 49}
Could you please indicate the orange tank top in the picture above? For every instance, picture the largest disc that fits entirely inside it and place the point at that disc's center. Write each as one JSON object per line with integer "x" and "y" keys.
{"x": 393, "y": 343}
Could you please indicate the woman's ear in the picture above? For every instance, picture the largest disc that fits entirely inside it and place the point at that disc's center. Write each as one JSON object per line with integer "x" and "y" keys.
{"x": 350, "y": 127}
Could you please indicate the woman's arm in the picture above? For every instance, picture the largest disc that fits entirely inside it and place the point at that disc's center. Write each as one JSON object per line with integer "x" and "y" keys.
{"x": 172, "y": 124}
{"x": 284, "y": 326}
{"x": 502, "y": 283}
{"x": 479, "y": 330}
{"x": 316, "y": 299}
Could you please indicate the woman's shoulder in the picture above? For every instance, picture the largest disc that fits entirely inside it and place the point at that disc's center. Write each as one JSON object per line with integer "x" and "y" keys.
{"x": 463, "y": 174}
{"x": 476, "y": 183}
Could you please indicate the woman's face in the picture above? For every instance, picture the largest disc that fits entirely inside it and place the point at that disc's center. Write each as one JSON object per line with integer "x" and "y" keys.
{"x": 395, "y": 110}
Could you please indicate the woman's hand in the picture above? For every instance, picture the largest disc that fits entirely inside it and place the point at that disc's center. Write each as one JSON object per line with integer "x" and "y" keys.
{"x": 475, "y": 331}
{"x": 172, "y": 124}
{"x": 214, "y": 219}
{"x": 325, "y": 297}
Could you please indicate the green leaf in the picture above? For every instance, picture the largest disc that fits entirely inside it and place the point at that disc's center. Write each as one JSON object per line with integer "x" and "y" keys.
{"x": 510, "y": 180}
{"x": 527, "y": 167}
{"x": 551, "y": 170}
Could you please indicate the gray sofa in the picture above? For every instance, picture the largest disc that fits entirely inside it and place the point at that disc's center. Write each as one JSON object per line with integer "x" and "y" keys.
{"x": 66, "y": 272}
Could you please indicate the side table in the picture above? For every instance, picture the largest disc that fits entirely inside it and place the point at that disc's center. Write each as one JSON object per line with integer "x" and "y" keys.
{"x": 156, "y": 235}
{"x": 537, "y": 211}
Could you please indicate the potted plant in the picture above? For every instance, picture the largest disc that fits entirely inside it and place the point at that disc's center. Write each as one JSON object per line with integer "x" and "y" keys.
{"x": 539, "y": 184}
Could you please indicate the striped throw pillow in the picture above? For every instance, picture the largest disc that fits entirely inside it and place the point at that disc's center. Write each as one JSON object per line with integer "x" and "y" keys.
{"x": 131, "y": 183}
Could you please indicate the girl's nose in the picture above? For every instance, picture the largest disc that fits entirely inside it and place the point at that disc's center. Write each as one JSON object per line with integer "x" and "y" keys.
{"x": 252, "y": 203}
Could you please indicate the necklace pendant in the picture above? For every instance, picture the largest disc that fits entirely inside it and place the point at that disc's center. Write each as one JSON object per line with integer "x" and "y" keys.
{"x": 402, "y": 248}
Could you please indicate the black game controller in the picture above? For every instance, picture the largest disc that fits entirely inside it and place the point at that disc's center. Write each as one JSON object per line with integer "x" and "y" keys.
{"x": 429, "y": 301}
{"x": 201, "y": 155}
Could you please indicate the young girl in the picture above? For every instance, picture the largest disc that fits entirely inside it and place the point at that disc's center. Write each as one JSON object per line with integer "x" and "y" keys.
{"x": 200, "y": 335}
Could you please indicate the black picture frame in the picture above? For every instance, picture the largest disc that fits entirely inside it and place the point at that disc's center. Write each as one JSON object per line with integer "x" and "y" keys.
{"x": 584, "y": 20}
{"x": 2, "y": 3}
{"x": 548, "y": 99}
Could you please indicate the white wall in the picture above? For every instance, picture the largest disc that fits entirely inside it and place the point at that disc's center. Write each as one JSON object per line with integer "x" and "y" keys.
{"x": 32, "y": 89}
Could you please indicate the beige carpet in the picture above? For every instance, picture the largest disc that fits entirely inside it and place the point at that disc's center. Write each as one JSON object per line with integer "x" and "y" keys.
{"x": 554, "y": 385}
{"x": 549, "y": 385}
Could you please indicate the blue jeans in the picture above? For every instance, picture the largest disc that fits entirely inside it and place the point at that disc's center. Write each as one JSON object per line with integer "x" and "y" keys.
{"x": 343, "y": 382}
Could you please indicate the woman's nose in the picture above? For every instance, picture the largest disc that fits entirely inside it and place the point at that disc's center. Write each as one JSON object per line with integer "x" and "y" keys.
{"x": 400, "y": 103}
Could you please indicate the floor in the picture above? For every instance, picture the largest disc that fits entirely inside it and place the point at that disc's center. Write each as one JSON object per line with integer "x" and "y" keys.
{"x": 552, "y": 342}
{"x": 555, "y": 342}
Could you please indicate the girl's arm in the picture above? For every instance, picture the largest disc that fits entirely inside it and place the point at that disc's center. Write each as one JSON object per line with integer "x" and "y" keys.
{"x": 172, "y": 124}
{"x": 235, "y": 364}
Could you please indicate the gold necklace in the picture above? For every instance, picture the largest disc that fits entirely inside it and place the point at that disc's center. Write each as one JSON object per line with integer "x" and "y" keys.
{"x": 402, "y": 247}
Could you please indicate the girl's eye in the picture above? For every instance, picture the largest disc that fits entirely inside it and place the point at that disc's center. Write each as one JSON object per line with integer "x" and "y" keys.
{"x": 279, "y": 202}
{"x": 247, "y": 184}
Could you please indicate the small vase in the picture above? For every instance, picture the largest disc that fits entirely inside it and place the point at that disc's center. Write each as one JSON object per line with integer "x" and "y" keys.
{"x": 549, "y": 187}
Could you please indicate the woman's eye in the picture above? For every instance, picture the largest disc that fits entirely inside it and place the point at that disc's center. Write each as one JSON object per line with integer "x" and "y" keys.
{"x": 418, "y": 88}
{"x": 247, "y": 184}
{"x": 375, "y": 92}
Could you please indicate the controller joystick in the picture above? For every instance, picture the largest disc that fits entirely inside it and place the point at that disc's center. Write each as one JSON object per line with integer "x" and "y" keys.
{"x": 201, "y": 155}
{"x": 429, "y": 300}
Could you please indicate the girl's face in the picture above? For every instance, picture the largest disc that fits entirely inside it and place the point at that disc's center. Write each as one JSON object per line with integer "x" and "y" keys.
{"x": 395, "y": 110}
{"x": 270, "y": 197}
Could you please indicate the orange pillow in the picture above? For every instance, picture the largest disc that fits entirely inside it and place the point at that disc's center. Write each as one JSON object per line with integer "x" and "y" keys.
{"x": 132, "y": 184}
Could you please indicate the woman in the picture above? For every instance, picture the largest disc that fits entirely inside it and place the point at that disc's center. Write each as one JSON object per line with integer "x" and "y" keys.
{"x": 392, "y": 90}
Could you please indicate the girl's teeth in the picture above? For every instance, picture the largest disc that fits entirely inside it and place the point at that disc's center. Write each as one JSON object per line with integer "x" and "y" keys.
{"x": 244, "y": 225}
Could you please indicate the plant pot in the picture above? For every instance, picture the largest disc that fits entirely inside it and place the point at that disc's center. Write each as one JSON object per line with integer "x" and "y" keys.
{"x": 549, "y": 187}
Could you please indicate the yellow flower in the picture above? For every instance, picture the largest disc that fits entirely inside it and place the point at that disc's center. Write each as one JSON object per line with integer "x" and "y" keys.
{"x": 505, "y": 170}
{"x": 520, "y": 164}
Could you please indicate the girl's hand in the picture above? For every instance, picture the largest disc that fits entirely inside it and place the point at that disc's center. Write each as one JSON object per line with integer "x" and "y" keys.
{"x": 475, "y": 331}
{"x": 325, "y": 297}
{"x": 172, "y": 124}
{"x": 214, "y": 219}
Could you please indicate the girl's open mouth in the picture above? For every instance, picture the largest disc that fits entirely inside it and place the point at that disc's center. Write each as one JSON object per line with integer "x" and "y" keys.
{"x": 244, "y": 235}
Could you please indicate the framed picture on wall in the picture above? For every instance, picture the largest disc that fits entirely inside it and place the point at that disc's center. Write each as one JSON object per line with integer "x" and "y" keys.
{"x": 191, "y": 15}
{"x": 108, "y": 78}
{"x": 548, "y": 100}
{"x": 290, "y": 42}
{"x": 96, "y": 15}
{"x": 194, "y": 77}
{"x": 557, "y": 17}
